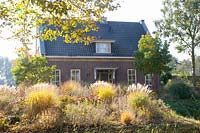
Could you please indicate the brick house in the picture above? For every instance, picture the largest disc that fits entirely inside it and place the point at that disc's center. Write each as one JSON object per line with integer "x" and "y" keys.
{"x": 108, "y": 58}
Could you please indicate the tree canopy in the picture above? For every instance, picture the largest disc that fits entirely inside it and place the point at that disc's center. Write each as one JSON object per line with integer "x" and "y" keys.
{"x": 152, "y": 56}
{"x": 71, "y": 19}
{"x": 181, "y": 24}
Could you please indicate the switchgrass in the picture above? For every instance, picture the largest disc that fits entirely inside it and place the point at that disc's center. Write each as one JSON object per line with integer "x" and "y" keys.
{"x": 138, "y": 100}
{"x": 84, "y": 114}
{"x": 69, "y": 87}
{"x": 40, "y": 98}
{"x": 48, "y": 119}
{"x": 7, "y": 95}
{"x": 105, "y": 91}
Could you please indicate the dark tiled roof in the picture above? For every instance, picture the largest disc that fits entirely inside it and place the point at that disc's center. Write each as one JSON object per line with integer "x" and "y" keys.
{"x": 125, "y": 34}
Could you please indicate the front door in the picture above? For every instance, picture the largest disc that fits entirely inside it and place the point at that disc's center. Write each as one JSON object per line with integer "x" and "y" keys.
{"x": 107, "y": 75}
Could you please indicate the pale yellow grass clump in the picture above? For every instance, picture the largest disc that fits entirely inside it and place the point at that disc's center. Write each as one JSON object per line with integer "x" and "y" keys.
{"x": 69, "y": 87}
{"x": 41, "y": 97}
{"x": 7, "y": 95}
{"x": 104, "y": 90}
{"x": 138, "y": 100}
{"x": 139, "y": 88}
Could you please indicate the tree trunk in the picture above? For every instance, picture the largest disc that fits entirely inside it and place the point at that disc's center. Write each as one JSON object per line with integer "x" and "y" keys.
{"x": 193, "y": 67}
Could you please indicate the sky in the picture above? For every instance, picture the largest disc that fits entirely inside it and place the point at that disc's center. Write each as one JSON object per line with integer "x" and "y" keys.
{"x": 130, "y": 10}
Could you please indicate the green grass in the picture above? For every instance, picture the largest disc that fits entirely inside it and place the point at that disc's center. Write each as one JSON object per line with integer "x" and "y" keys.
{"x": 188, "y": 108}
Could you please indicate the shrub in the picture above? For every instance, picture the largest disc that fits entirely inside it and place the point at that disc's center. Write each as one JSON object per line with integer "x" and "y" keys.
{"x": 41, "y": 97}
{"x": 126, "y": 118}
{"x": 180, "y": 90}
{"x": 105, "y": 91}
{"x": 139, "y": 88}
{"x": 165, "y": 77}
{"x": 30, "y": 70}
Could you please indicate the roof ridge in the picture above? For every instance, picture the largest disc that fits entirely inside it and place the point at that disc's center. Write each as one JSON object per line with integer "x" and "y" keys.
{"x": 124, "y": 22}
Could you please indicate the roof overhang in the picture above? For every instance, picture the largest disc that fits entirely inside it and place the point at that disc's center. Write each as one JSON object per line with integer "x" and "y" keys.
{"x": 103, "y": 41}
{"x": 106, "y": 68}
{"x": 91, "y": 57}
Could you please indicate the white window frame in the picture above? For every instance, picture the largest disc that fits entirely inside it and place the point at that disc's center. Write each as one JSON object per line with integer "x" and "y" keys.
{"x": 130, "y": 81}
{"x": 79, "y": 76}
{"x": 54, "y": 77}
{"x": 147, "y": 81}
{"x": 108, "y": 50}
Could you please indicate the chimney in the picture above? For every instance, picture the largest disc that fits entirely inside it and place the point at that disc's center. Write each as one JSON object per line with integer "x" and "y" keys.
{"x": 144, "y": 26}
{"x": 104, "y": 20}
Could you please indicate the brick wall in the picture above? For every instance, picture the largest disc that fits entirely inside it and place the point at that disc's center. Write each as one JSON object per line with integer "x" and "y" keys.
{"x": 87, "y": 68}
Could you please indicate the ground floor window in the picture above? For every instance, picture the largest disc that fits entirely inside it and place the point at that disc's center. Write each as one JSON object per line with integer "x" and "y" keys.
{"x": 107, "y": 75}
{"x": 131, "y": 76}
{"x": 75, "y": 74}
{"x": 57, "y": 77}
{"x": 149, "y": 79}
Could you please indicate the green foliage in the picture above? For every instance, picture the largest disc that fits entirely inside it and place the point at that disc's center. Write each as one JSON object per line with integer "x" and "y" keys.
{"x": 180, "y": 90}
{"x": 165, "y": 77}
{"x": 186, "y": 107}
{"x": 33, "y": 70}
{"x": 3, "y": 125}
{"x": 180, "y": 23}
{"x": 184, "y": 67}
{"x": 152, "y": 55}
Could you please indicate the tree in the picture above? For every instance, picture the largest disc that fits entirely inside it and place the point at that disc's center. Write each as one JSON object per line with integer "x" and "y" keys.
{"x": 152, "y": 56}
{"x": 180, "y": 23}
{"x": 5, "y": 72}
{"x": 33, "y": 70}
{"x": 198, "y": 65}
{"x": 184, "y": 67}
{"x": 71, "y": 19}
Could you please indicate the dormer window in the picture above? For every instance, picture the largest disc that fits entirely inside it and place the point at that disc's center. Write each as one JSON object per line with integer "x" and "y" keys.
{"x": 104, "y": 48}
